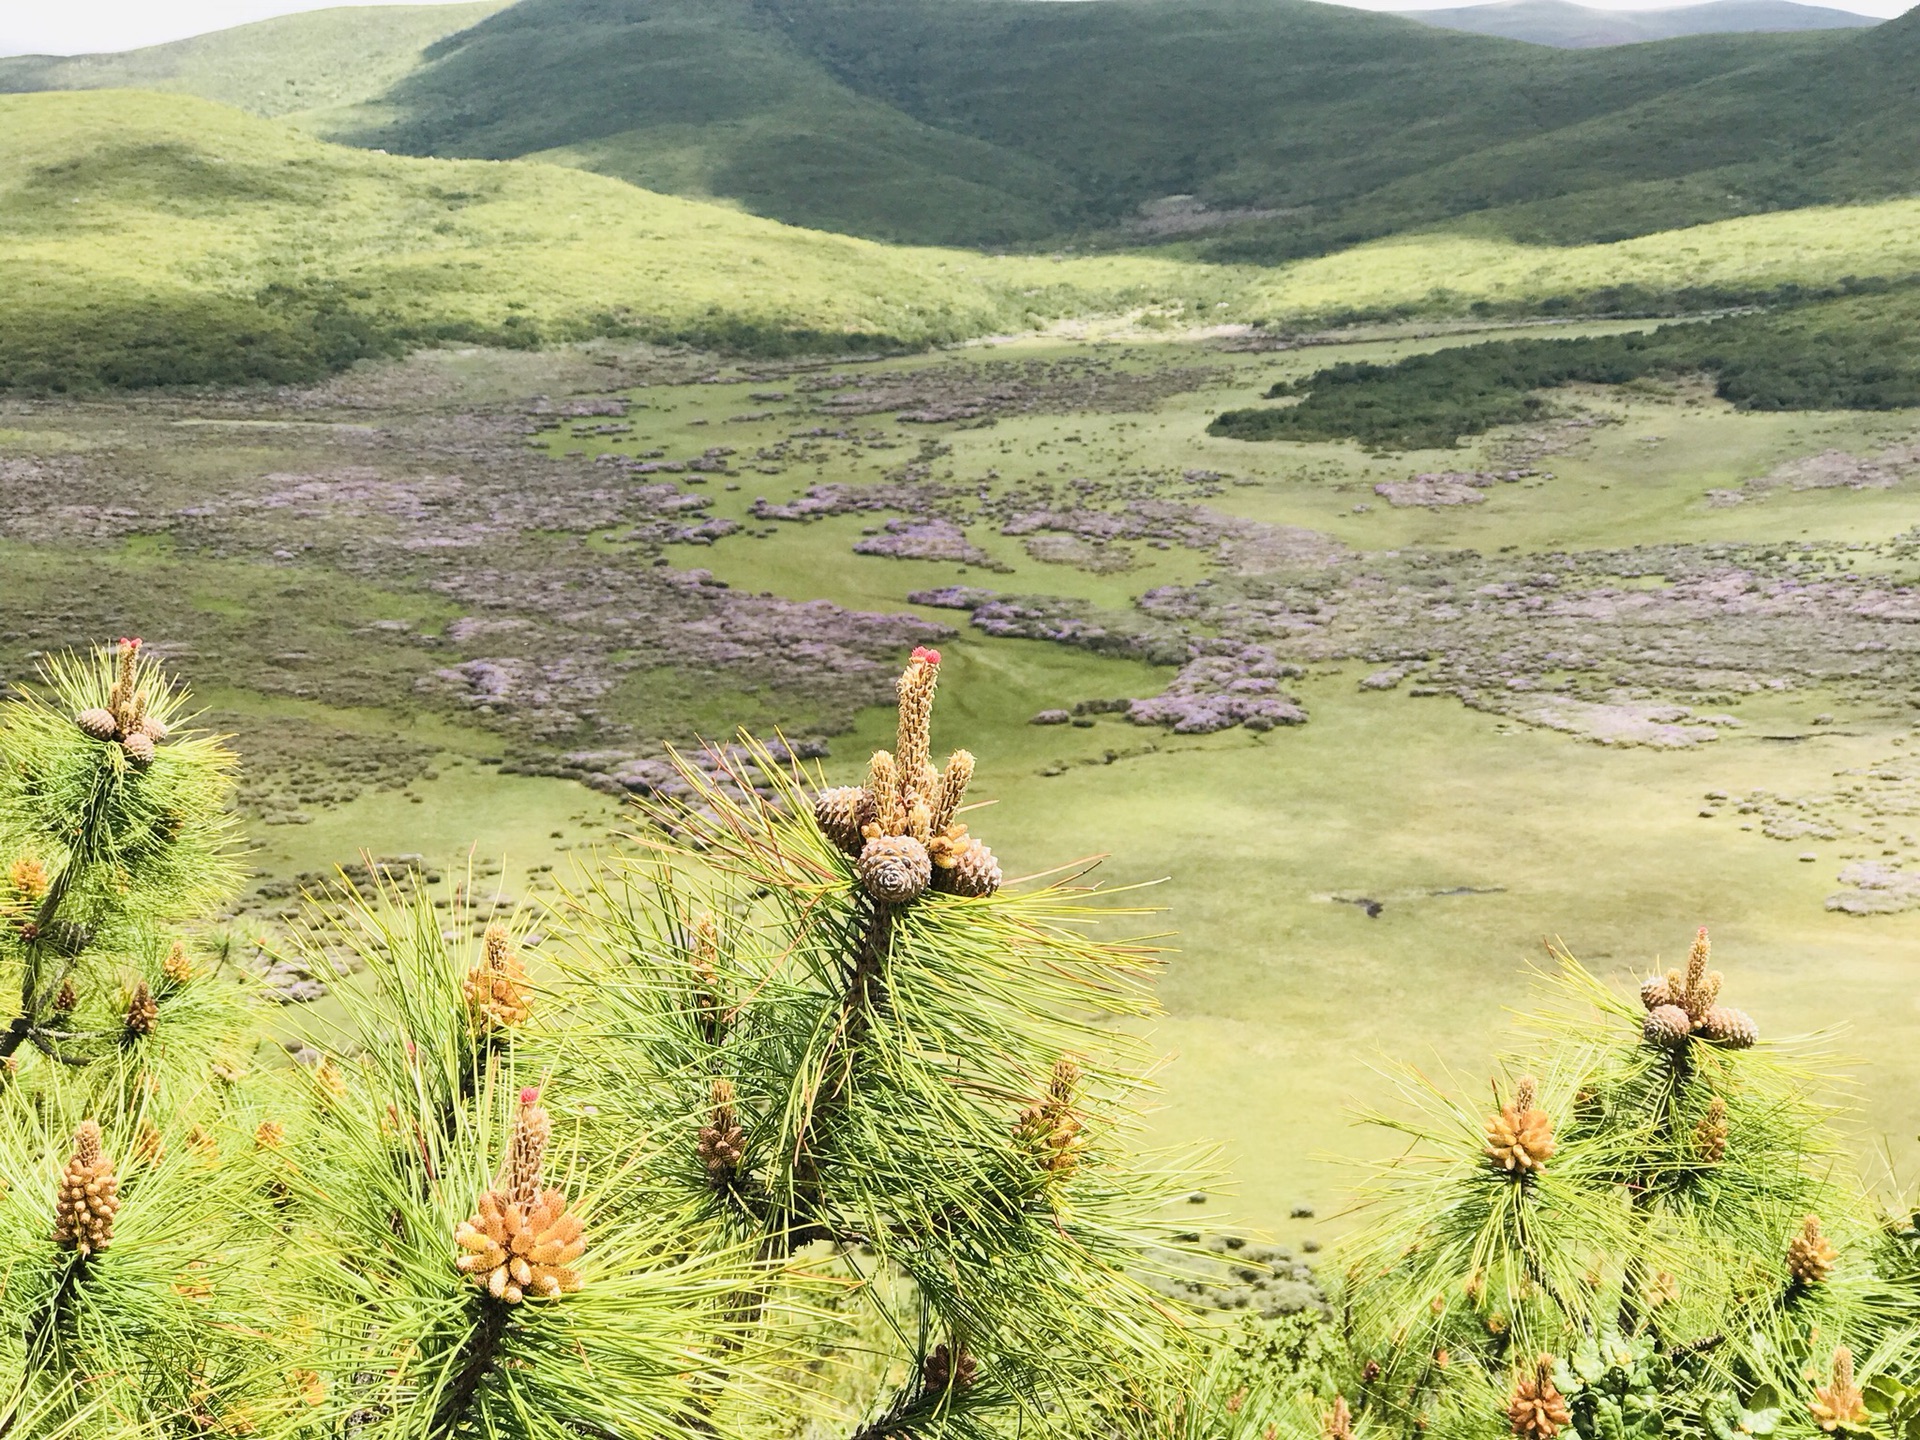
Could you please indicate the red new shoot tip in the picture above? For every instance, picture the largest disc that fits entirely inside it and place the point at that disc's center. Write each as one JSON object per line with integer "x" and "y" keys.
{"x": 529, "y": 1095}
{"x": 926, "y": 656}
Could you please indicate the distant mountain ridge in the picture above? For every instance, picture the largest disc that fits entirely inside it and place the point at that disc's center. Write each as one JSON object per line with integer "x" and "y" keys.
{"x": 1240, "y": 130}
{"x": 311, "y": 60}
{"x": 1568, "y": 26}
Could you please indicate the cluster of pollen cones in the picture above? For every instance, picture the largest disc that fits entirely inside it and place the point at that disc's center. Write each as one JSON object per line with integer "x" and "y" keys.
{"x": 89, "y": 1195}
{"x": 496, "y": 988}
{"x": 124, "y": 719}
{"x": 1682, "y": 1007}
{"x": 1537, "y": 1410}
{"x": 900, "y": 825}
{"x": 524, "y": 1239}
{"x": 1520, "y": 1138}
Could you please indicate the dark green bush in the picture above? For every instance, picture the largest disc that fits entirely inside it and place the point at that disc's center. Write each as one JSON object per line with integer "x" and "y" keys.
{"x": 1854, "y": 354}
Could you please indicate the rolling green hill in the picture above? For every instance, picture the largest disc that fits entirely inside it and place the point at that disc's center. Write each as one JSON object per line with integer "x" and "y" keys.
{"x": 1299, "y": 127}
{"x": 149, "y": 239}
{"x": 1246, "y": 130}
{"x": 299, "y": 62}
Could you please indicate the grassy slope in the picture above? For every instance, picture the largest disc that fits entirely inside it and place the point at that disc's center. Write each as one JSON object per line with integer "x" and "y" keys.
{"x": 1381, "y": 125}
{"x": 1841, "y": 121}
{"x": 994, "y": 122}
{"x": 1813, "y": 248}
{"x": 274, "y": 67}
{"x": 704, "y": 97}
{"x": 1353, "y": 124}
{"x": 147, "y": 238}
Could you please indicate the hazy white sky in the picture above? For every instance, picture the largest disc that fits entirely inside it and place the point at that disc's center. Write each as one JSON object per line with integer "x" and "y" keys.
{"x": 71, "y": 27}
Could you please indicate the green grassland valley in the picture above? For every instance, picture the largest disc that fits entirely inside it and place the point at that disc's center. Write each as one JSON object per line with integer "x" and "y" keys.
{"x": 1411, "y": 518}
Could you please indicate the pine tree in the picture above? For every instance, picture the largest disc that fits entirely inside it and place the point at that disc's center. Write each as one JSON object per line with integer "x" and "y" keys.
{"x": 1653, "y": 1231}
{"x": 873, "y": 1052}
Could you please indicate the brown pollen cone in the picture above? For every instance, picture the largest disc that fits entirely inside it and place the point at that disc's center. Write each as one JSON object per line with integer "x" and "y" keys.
{"x": 1537, "y": 1409}
{"x": 1810, "y": 1255}
{"x": 1520, "y": 1138}
{"x": 722, "y": 1143}
{"x": 524, "y": 1239}
{"x": 1050, "y": 1130}
{"x": 1840, "y": 1404}
{"x": 143, "y": 1011}
{"x": 88, "y": 1197}
{"x": 949, "y": 1366}
{"x": 1681, "y": 1005}
{"x": 1338, "y": 1424}
{"x": 1710, "y": 1135}
{"x": 495, "y": 989}
{"x": 177, "y": 968}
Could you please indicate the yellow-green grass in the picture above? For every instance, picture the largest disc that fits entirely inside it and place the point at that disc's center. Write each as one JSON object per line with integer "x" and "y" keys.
{"x": 1283, "y": 1001}
{"x": 148, "y": 238}
{"x": 117, "y": 200}
{"x": 1813, "y": 248}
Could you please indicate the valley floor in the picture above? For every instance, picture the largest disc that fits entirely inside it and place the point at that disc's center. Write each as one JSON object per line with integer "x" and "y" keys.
{"x": 1643, "y": 665}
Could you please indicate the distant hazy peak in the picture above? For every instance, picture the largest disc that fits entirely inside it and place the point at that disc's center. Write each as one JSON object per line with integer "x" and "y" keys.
{"x": 1574, "y": 27}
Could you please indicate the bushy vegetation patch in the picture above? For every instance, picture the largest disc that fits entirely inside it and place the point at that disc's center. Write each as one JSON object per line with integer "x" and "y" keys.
{"x": 1840, "y": 355}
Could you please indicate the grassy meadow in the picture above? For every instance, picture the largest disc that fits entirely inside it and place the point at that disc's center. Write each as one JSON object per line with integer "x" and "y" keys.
{"x": 1482, "y": 838}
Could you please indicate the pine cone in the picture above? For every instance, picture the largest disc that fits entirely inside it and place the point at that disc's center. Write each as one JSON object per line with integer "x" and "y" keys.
{"x": 1666, "y": 1026}
{"x": 89, "y": 1196}
{"x": 969, "y": 869}
{"x": 67, "y": 1000}
{"x": 143, "y": 1011}
{"x": 1840, "y": 1405}
{"x": 1710, "y": 1135}
{"x": 1733, "y": 1029}
{"x": 841, "y": 813}
{"x": 154, "y": 728}
{"x": 98, "y": 723}
{"x": 512, "y": 1253}
{"x": 1810, "y": 1256}
{"x": 1538, "y": 1411}
{"x": 1520, "y": 1137}
{"x": 495, "y": 988}
{"x": 1655, "y": 992}
{"x": 139, "y": 748}
{"x": 895, "y": 868}
{"x": 940, "y": 1371}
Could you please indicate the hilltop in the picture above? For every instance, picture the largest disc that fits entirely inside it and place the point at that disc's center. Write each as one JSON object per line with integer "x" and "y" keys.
{"x": 1570, "y": 26}
{"x": 294, "y": 63}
